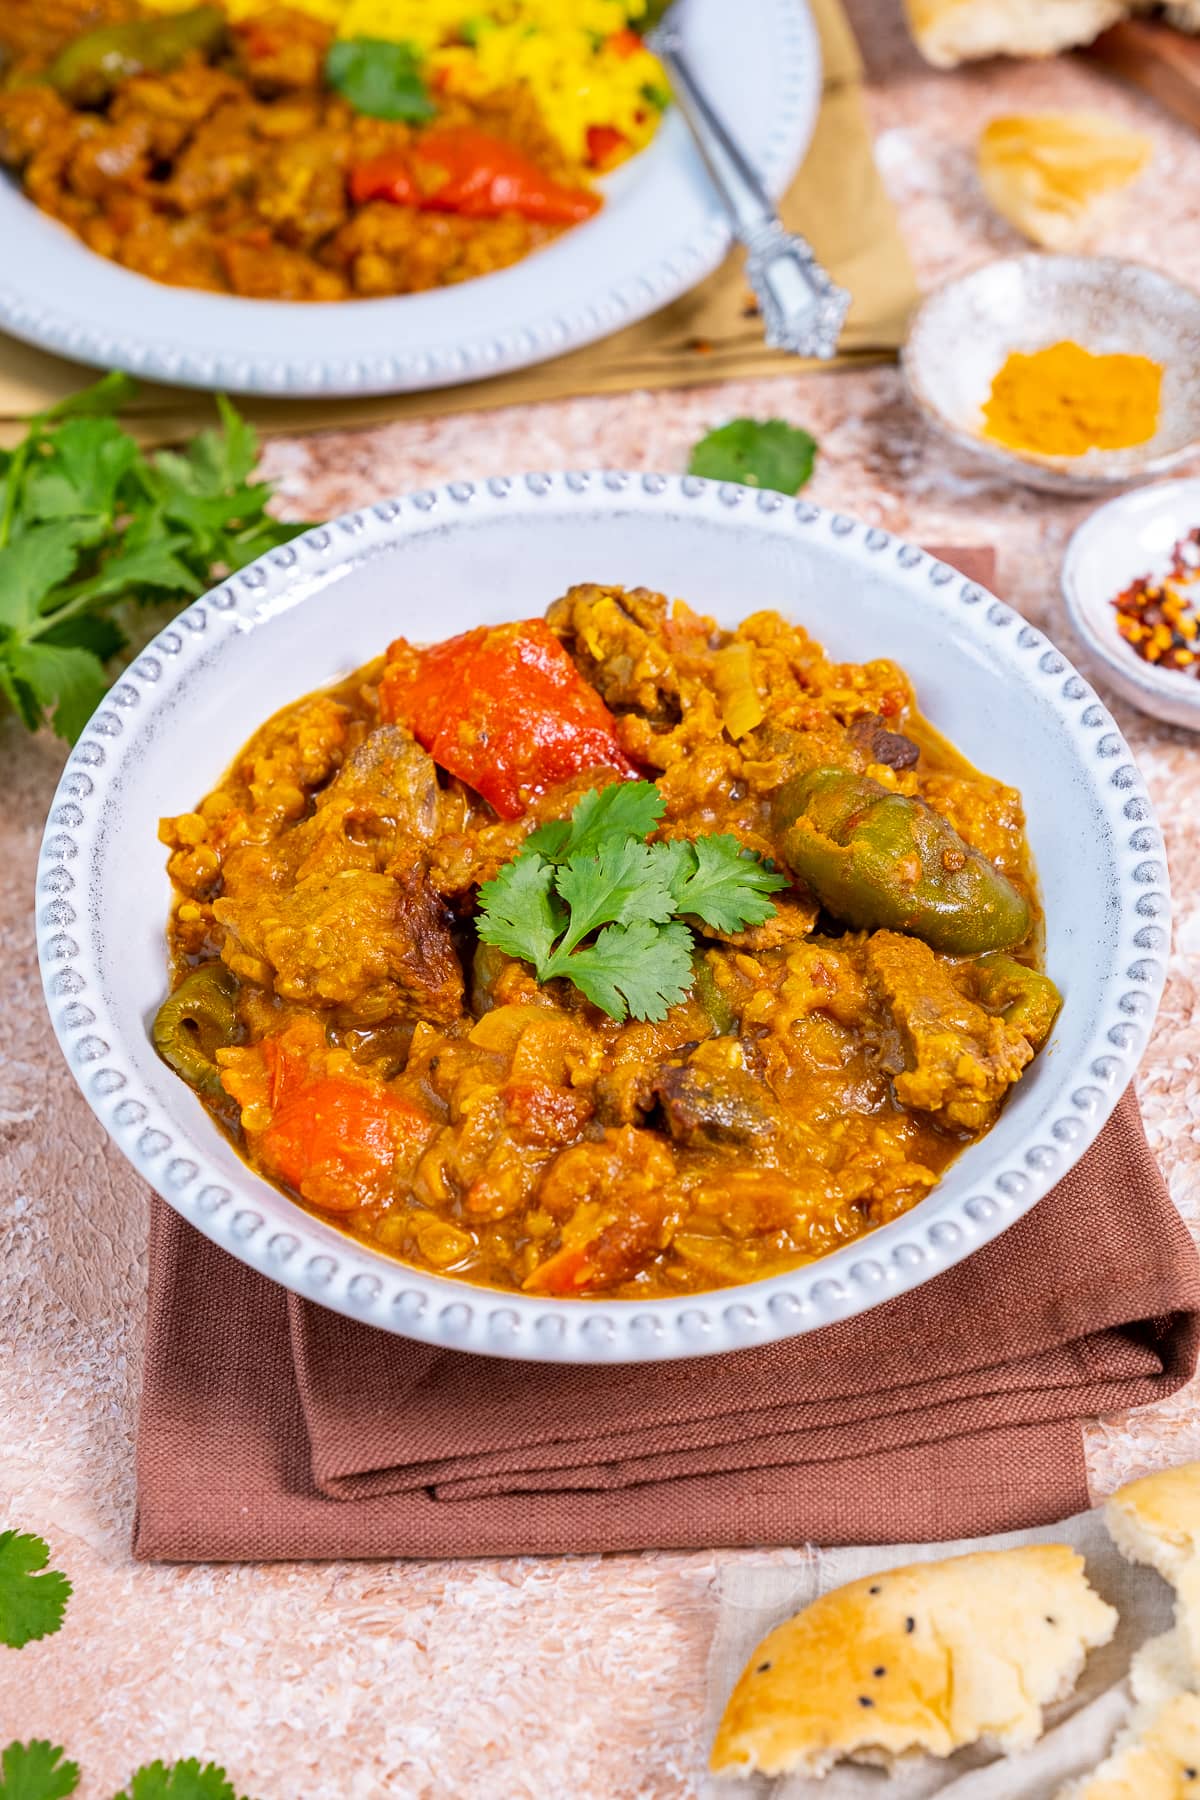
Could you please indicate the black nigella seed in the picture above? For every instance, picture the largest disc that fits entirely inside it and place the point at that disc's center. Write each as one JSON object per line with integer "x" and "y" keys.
{"x": 1051, "y": 1621}
{"x": 1189, "y": 1774}
{"x": 879, "y": 1671}
{"x": 762, "y": 1668}
{"x": 910, "y": 1625}
{"x": 865, "y": 1700}
{"x": 875, "y": 1590}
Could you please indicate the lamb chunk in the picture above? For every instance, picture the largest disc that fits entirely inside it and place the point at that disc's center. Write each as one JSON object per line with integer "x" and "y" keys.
{"x": 712, "y": 1100}
{"x": 616, "y": 638}
{"x": 880, "y": 744}
{"x": 382, "y": 808}
{"x": 952, "y": 1059}
{"x": 374, "y": 947}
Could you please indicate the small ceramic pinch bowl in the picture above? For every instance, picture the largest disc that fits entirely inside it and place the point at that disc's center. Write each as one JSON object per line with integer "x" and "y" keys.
{"x": 964, "y": 331}
{"x": 1131, "y": 536}
{"x": 477, "y": 552}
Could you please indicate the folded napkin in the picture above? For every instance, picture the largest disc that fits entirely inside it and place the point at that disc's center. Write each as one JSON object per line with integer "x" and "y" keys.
{"x": 710, "y": 334}
{"x": 273, "y": 1428}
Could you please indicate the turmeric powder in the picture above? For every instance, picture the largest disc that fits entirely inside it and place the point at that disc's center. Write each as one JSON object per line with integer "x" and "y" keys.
{"x": 1064, "y": 400}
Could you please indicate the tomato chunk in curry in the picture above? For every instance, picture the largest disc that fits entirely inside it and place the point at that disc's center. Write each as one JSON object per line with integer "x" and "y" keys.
{"x": 336, "y": 1009}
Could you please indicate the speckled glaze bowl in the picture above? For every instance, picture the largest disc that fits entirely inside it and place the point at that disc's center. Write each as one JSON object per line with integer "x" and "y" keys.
{"x": 432, "y": 563}
{"x": 963, "y": 332}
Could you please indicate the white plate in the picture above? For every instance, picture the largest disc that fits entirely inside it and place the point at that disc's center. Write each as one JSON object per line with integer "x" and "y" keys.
{"x": 660, "y": 232}
{"x": 434, "y": 563}
{"x": 1131, "y": 536}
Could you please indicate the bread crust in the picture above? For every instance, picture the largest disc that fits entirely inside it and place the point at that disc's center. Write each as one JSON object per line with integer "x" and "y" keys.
{"x": 949, "y": 32}
{"x": 929, "y": 1657}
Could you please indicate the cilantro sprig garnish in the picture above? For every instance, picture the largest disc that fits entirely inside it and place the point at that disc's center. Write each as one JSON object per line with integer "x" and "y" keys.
{"x": 186, "y": 1780}
{"x": 31, "y": 1603}
{"x": 36, "y": 1771}
{"x": 379, "y": 77}
{"x": 762, "y": 453}
{"x": 589, "y": 900}
{"x": 91, "y": 528}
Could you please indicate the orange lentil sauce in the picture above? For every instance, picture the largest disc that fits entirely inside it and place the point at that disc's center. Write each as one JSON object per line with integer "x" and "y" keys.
{"x": 420, "y": 1089}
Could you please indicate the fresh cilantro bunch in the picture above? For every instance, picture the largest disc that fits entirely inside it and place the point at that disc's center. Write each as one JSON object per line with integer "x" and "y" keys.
{"x": 590, "y": 900}
{"x": 380, "y": 78}
{"x": 91, "y": 528}
{"x": 761, "y": 453}
{"x": 31, "y": 1603}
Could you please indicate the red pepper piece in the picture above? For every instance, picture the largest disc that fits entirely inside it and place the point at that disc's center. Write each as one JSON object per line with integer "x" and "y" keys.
{"x": 331, "y": 1137}
{"x": 604, "y": 142}
{"x": 624, "y": 43}
{"x": 504, "y": 708}
{"x": 485, "y": 177}
{"x": 386, "y": 177}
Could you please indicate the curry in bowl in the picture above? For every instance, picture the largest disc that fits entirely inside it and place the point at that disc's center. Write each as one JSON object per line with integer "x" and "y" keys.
{"x": 330, "y": 150}
{"x": 607, "y": 954}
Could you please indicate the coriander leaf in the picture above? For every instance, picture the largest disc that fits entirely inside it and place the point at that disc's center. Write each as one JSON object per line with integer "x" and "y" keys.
{"x": 19, "y": 696}
{"x": 67, "y": 683}
{"x": 86, "y": 631}
{"x": 550, "y": 840}
{"x": 625, "y": 809}
{"x": 520, "y": 913}
{"x": 111, "y": 394}
{"x": 215, "y": 462}
{"x": 186, "y": 1780}
{"x": 379, "y": 78}
{"x": 619, "y": 885}
{"x": 643, "y": 968}
{"x": 87, "y": 462}
{"x": 33, "y": 1771}
{"x": 31, "y": 1605}
{"x": 762, "y": 453}
{"x": 31, "y": 567}
{"x": 153, "y": 564}
{"x": 729, "y": 885}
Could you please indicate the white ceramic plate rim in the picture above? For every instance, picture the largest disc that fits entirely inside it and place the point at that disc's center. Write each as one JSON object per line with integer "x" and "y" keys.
{"x": 662, "y": 233}
{"x": 327, "y": 1267}
{"x": 1097, "y": 471}
{"x": 1181, "y": 690}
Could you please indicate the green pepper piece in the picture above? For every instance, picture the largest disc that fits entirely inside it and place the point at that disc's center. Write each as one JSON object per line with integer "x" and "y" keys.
{"x": 710, "y": 997}
{"x": 1024, "y": 997}
{"x": 88, "y": 70}
{"x": 197, "y": 1019}
{"x": 878, "y": 859}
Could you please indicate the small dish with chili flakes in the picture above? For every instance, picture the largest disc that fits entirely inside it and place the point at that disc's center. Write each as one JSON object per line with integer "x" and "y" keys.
{"x": 1131, "y": 581}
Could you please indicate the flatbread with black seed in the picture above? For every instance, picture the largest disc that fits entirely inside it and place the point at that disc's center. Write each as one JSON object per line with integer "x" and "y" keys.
{"x": 925, "y": 1658}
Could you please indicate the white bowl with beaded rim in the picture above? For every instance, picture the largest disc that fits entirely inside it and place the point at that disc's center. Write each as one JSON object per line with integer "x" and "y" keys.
{"x": 432, "y": 563}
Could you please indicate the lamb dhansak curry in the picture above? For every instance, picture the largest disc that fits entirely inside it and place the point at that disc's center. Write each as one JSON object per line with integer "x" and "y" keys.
{"x": 364, "y": 904}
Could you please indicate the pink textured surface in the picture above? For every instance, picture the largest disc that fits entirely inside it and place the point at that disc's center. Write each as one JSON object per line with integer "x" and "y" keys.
{"x": 521, "y": 1678}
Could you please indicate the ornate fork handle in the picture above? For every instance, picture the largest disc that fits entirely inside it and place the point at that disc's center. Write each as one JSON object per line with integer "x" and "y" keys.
{"x": 803, "y": 309}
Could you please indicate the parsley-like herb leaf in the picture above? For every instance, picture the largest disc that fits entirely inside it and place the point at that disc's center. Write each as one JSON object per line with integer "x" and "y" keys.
{"x": 726, "y": 884}
{"x": 762, "y": 453}
{"x": 89, "y": 525}
{"x": 521, "y": 914}
{"x": 35, "y": 1771}
{"x": 379, "y": 78}
{"x": 31, "y": 1604}
{"x": 623, "y": 810}
{"x": 587, "y": 900}
{"x": 187, "y": 1780}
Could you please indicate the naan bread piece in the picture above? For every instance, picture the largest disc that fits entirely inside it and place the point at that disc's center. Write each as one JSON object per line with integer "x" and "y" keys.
{"x": 948, "y": 32}
{"x": 1157, "y": 1521}
{"x": 1157, "y": 1760}
{"x": 1060, "y": 177}
{"x": 929, "y": 1657}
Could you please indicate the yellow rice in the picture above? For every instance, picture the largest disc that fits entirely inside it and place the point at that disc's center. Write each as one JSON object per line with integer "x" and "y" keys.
{"x": 560, "y": 50}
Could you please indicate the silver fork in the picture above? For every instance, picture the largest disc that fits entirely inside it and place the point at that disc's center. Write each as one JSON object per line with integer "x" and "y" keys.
{"x": 803, "y": 308}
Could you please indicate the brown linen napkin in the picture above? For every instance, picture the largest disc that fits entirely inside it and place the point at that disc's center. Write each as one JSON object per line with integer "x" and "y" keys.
{"x": 273, "y": 1428}
{"x": 837, "y": 200}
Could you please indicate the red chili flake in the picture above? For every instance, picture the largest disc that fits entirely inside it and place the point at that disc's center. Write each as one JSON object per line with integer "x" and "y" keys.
{"x": 1157, "y": 616}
